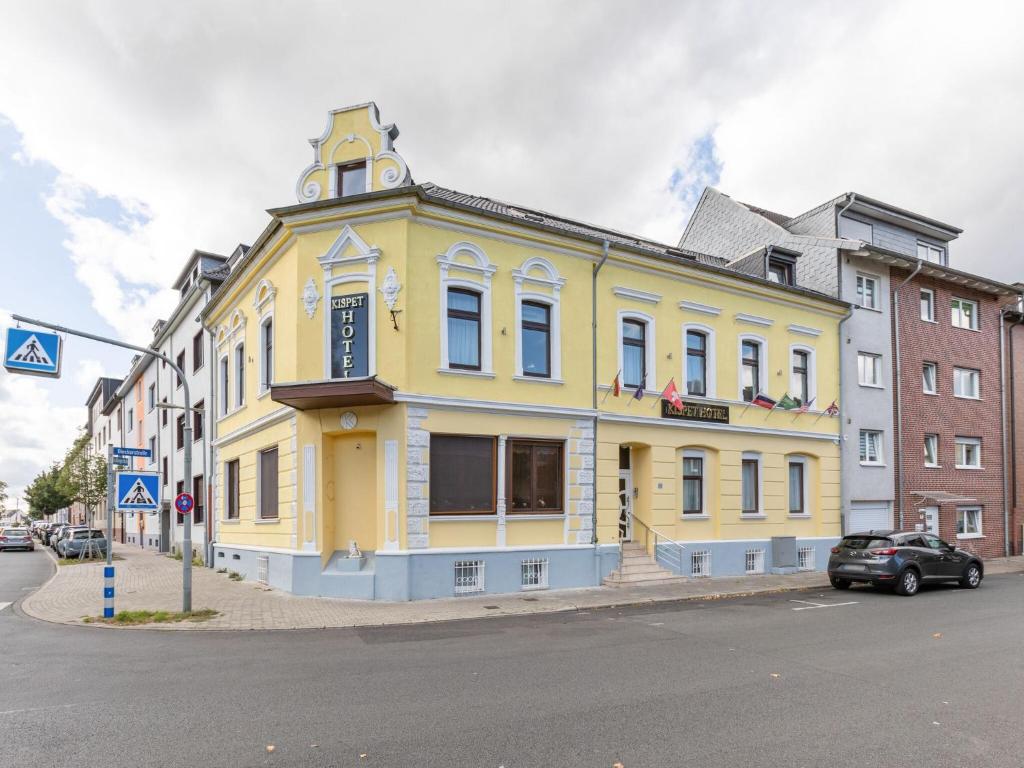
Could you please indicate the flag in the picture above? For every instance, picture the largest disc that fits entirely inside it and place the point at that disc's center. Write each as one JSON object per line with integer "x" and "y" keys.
{"x": 806, "y": 406}
{"x": 617, "y": 385}
{"x": 671, "y": 394}
{"x": 763, "y": 401}
{"x": 832, "y": 410}
{"x": 787, "y": 403}
{"x": 639, "y": 394}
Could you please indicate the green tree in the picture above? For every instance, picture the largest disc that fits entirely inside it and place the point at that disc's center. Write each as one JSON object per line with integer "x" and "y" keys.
{"x": 48, "y": 493}
{"x": 3, "y": 496}
{"x": 84, "y": 475}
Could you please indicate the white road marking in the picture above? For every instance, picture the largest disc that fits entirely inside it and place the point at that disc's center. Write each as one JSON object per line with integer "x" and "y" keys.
{"x": 40, "y": 709}
{"x": 808, "y": 605}
{"x": 4, "y": 605}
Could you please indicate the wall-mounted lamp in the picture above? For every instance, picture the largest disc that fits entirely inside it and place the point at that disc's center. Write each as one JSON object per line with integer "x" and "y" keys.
{"x": 394, "y": 317}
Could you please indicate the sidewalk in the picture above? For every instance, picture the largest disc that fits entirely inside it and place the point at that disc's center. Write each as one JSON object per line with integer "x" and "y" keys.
{"x": 149, "y": 581}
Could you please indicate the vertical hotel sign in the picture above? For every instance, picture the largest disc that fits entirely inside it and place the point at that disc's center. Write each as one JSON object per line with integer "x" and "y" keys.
{"x": 349, "y": 335}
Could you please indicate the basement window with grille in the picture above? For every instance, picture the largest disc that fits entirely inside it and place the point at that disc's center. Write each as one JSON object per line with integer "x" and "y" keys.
{"x": 534, "y": 574}
{"x": 700, "y": 564}
{"x": 755, "y": 561}
{"x": 263, "y": 568}
{"x": 805, "y": 559}
{"x": 469, "y": 576}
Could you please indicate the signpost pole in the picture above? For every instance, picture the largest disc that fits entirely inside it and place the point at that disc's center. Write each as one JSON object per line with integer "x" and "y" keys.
{"x": 108, "y": 569}
{"x": 186, "y": 574}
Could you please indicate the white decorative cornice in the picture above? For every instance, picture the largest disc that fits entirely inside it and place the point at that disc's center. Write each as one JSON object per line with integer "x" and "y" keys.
{"x": 481, "y": 264}
{"x": 743, "y": 317}
{"x": 310, "y": 298}
{"x": 551, "y": 278}
{"x": 632, "y": 293}
{"x": 264, "y": 295}
{"x": 702, "y": 309}
{"x": 804, "y": 330}
{"x": 367, "y": 254}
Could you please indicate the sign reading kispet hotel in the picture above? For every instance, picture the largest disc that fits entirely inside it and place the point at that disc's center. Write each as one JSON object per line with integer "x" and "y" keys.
{"x": 718, "y": 414}
{"x": 349, "y": 351}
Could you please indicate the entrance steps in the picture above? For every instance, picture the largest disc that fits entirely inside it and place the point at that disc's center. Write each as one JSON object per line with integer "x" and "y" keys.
{"x": 348, "y": 577}
{"x": 638, "y": 567}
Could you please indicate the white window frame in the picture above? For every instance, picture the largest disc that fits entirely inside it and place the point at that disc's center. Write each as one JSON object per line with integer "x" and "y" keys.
{"x": 805, "y": 491}
{"x": 759, "y": 458}
{"x": 958, "y": 313}
{"x": 812, "y": 370}
{"x": 965, "y": 443}
{"x": 879, "y": 451}
{"x": 264, "y": 384}
{"x": 131, "y": 419}
{"x": 239, "y": 388}
{"x": 754, "y": 560}
{"x": 152, "y": 450}
{"x": 876, "y": 360}
{"x": 934, "y": 440}
{"x": 941, "y": 261}
{"x": 931, "y": 303}
{"x": 528, "y": 287}
{"x": 961, "y": 513}
{"x": 710, "y": 360}
{"x": 865, "y": 276}
{"x": 935, "y": 378}
{"x": 971, "y": 374}
{"x": 478, "y": 279}
{"x": 762, "y": 369}
{"x": 694, "y": 453}
{"x": 151, "y": 397}
{"x": 224, "y": 384}
{"x": 650, "y": 358}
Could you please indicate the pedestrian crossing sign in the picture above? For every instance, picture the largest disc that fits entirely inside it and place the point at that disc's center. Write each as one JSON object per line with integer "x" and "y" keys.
{"x": 137, "y": 490}
{"x": 37, "y": 353}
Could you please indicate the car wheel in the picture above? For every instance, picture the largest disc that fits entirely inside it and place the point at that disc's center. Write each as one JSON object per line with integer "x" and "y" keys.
{"x": 972, "y": 577}
{"x": 839, "y": 583}
{"x": 908, "y": 583}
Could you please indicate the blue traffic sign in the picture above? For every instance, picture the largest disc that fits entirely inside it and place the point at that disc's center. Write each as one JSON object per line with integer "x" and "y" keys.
{"x": 33, "y": 352}
{"x": 144, "y": 453}
{"x": 138, "y": 490}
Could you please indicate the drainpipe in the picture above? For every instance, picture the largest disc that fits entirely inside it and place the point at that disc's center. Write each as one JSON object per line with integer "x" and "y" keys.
{"x": 853, "y": 199}
{"x": 210, "y": 425}
{"x": 842, "y": 416}
{"x": 1013, "y": 409}
{"x": 593, "y": 361}
{"x": 1002, "y": 426}
{"x": 897, "y": 447}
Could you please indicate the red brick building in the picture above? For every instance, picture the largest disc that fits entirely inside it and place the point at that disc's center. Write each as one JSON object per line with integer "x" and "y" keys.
{"x": 952, "y": 471}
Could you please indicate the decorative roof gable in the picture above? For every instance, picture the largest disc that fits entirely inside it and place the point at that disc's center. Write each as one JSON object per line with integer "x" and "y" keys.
{"x": 353, "y": 135}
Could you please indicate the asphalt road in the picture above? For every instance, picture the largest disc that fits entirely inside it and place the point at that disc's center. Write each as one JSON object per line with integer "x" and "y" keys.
{"x": 934, "y": 680}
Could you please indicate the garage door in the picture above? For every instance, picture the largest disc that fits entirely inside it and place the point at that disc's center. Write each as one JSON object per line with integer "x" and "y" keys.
{"x": 868, "y": 516}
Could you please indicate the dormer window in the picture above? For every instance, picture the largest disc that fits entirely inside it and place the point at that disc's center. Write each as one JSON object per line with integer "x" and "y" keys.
{"x": 780, "y": 272}
{"x": 351, "y": 179}
{"x": 929, "y": 252}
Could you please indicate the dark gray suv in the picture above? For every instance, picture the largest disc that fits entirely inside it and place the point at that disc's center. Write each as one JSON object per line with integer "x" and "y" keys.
{"x": 901, "y": 559}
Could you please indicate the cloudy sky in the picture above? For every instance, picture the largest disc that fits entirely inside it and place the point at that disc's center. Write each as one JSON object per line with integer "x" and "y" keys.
{"x": 131, "y": 133}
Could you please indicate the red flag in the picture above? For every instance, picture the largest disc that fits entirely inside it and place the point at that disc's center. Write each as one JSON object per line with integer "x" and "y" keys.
{"x": 616, "y": 385}
{"x": 763, "y": 401}
{"x": 832, "y": 410}
{"x": 672, "y": 394}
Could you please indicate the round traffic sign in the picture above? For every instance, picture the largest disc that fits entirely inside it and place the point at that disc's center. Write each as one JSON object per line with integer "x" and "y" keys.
{"x": 184, "y": 503}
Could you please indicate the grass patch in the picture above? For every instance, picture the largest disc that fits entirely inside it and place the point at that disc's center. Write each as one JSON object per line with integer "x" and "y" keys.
{"x": 235, "y": 576}
{"x": 196, "y": 561}
{"x": 76, "y": 561}
{"x": 134, "y": 618}
{"x": 222, "y": 570}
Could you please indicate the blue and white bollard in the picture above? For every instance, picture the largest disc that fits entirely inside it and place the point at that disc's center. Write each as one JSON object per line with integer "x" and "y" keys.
{"x": 108, "y": 592}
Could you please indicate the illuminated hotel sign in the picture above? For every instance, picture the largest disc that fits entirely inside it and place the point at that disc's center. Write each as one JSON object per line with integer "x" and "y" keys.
{"x": 349, "y": 348}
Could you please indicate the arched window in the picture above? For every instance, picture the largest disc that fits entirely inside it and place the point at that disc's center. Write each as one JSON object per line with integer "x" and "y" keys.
{"x": 466, "y": 310}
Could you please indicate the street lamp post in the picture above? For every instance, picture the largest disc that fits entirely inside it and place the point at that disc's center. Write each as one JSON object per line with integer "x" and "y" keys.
{"x": 186, "y": 559}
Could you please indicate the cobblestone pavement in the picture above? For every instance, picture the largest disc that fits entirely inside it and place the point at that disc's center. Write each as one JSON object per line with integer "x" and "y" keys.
{"x": 150, "y": 581}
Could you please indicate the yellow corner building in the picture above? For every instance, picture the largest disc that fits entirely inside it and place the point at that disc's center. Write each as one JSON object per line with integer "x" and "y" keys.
{"x": 422, "y": 393}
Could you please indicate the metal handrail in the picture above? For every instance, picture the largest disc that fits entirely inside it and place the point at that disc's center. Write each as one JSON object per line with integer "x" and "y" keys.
{"x": 670, "y": 552}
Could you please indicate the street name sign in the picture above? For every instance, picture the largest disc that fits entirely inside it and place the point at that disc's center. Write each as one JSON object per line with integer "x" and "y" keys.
{"x": 37, "y": 353}
{"x": 138, "y": 491}
{"x": 143, "y": 453}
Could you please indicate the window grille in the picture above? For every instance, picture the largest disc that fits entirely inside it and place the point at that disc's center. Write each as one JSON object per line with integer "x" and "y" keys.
{"x": 262, "y": 568}
{"x": 755, "y": 561}
{"x": 469, "y": 576}
{"x": 534, "y": 574}
{"x": 700, "y": 564}
{"x": 805, "y": 559}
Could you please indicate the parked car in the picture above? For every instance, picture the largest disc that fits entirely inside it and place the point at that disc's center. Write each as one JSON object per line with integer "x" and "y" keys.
{"x": 16, "y": 538}
{"x": 73, "y": 544}
{"x": 903, "y": 560}
{"x": 45, "y": 533}
{"x": 62, "y": 533}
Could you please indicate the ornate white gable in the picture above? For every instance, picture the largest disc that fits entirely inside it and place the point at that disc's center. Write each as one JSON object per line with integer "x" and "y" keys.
{"x": 353, "y": 134}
